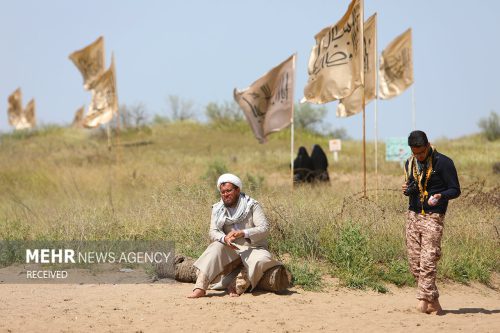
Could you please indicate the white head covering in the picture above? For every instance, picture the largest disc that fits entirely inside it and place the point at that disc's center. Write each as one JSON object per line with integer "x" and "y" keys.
{"x": 229, "y": 178}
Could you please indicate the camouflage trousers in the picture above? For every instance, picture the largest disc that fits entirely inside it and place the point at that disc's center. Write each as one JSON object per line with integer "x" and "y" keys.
{"x": 423, "y": 245}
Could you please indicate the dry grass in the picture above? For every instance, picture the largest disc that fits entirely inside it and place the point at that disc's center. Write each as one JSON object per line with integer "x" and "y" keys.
{"x": 159, "y": 184}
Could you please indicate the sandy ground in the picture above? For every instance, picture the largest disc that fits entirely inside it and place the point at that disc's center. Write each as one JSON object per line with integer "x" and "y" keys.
{"x": 163, "y": 307}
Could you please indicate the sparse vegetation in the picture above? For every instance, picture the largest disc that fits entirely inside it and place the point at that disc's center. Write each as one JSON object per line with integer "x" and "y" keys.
{"x": 180, "y": 109}
{"x": 62, "y": 183}
{"x": 308, "y": 116}
{"x": 491, "y": 126}
{"x": 135, "y": 115}
{"x": 226, "y": 113}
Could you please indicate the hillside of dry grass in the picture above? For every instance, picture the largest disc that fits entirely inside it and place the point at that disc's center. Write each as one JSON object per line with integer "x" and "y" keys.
{"x": 159, "y": 182}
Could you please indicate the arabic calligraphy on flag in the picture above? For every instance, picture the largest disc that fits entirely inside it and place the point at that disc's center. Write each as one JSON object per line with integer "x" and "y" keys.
{"x": 396, "y": 66}
{"x": 336, "y": 62}
{"x": 353, "y": 103}
{"x": 268, "y": 102}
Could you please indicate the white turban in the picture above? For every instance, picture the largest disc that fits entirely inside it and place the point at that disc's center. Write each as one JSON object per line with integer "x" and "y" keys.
{"x": 229, "y": 178}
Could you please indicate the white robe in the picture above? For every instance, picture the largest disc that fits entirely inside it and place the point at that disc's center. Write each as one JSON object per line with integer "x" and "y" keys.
{"x": 252, "y": 251}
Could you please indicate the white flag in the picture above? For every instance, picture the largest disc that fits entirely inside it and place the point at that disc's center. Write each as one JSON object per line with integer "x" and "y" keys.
{"x": 15, "y": 108}
{"x": 354, "y": 103}
{"x": 268, "y": 102}
{"x": 90, "y": 61}
{"x": 29, "y": 114}
{"x": 336, "y": 62}
{"x": 20, "y": 118}
{"x": 396, "y": 66}
{"x": 104, "y": 102}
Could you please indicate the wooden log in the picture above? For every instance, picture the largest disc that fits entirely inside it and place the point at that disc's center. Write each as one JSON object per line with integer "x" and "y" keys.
{"x": 276, "y": 278}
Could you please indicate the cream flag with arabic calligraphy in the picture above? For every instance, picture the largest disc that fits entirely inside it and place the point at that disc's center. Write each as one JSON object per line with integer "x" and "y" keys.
{"x": 78, "y": 119}
{"x": 354, "y": 103}
{"x": 29, "y": 114}
{"x": 20, "y": 118}
{"x": 15, "y": 108}
{"x": 90, "y": 61}
{"x": 336, "y": 62}
{"x": 104, "y": 103}
{"x": 396, "y": 66}
{"x": 268, "y": 102}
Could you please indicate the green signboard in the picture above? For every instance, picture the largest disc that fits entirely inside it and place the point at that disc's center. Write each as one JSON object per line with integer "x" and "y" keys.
{"x": 397, "y": 149}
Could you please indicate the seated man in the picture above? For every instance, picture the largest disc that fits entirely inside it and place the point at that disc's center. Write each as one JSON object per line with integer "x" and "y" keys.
{"x": 238, "y": 230}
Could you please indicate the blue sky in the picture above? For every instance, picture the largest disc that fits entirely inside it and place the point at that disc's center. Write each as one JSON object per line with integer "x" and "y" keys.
{"x": 201, "y": 50}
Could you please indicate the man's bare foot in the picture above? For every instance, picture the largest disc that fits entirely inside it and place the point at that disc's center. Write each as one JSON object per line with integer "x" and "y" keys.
{"x": 232, "y": 291}
{"x": 197, "y": 293}
{"x": 422, "y": 306}
{"x": 434, "y": 308}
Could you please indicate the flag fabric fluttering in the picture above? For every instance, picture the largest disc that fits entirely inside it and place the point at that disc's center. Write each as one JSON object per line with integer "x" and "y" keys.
{"x": 396, "y": 66}
{"x": 29, "y": 114}
{"x": 353, "y": 104}
{"x": 268, "y": 102}
{"x": 20, "y": 118}
{"x": 104, "y": 103}
{"x": 336, "y": 62}
{"x": 78, "y": 119}
{"x": 90, "y": 61}
{"x": 15, "y": 108}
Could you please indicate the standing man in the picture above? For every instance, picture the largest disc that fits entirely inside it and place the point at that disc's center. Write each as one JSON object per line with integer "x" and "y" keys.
{"x": 238, "y": 230}
{"x": 431, "y": 181}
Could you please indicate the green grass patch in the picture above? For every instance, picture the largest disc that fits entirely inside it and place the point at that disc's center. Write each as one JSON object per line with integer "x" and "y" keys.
{"x": 305, "y": 275}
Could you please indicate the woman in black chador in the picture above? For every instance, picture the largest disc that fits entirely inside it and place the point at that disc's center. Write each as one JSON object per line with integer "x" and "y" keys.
{"x": 320, "y": 164}
{"x": 302, "y": 167}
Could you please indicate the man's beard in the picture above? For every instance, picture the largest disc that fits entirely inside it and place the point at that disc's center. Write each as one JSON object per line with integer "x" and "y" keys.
{"x": 228, "y": 204}
{"x": 231, "y": 204}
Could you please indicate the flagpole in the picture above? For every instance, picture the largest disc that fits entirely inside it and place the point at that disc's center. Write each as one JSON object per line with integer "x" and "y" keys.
{"x": 118, "y": 120}
{"x": 291, "y": 148}
{"x": 108, "y": 132}
{"x": 376, "y": 110}
{"x": 364, "y": 147}
{"x": 364, "y": 112}
{"x": 413, "y": 116}
{"x": 292, "y": 123}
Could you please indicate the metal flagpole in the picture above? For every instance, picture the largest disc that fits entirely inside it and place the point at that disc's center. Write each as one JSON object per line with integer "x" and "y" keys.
{"x": 108, "y": 132}
{"x": 292, "y": 124}
{"x": 291, "y": 149}
{"x": 376, "y": 110}
{"x": 413, "y": 116}
{"x": 364, "y": 147}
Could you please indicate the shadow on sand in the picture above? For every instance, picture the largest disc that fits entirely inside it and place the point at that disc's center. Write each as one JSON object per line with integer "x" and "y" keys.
{"x": 222, "y": 293}
{"x": 471, "y": 310}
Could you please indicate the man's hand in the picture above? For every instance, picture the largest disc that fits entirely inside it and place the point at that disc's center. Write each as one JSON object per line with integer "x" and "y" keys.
{"x": 232, "y": 236}
{"x": 404, "y": 187}
{"x": 436, "y": 197}
{"x": 237, "y": 234}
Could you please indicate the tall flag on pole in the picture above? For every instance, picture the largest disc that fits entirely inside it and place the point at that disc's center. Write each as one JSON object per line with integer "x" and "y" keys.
{"x": 15, "y": 108}
{"x": 268, "y": 102}
{"x": 20, "y": 118}
{"x": 29, "y": 114}
{"x": 101, "y": 83}
{"x": 90, "y": 61}
{"x": 396, "y": 66}
{"x": 104, "y": 103}
{"x": 336, "y": 62}
{"x": 354, "y": 103}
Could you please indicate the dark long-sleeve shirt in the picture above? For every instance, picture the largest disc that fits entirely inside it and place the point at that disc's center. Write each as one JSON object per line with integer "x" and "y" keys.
{"x": 443, "y": 179}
